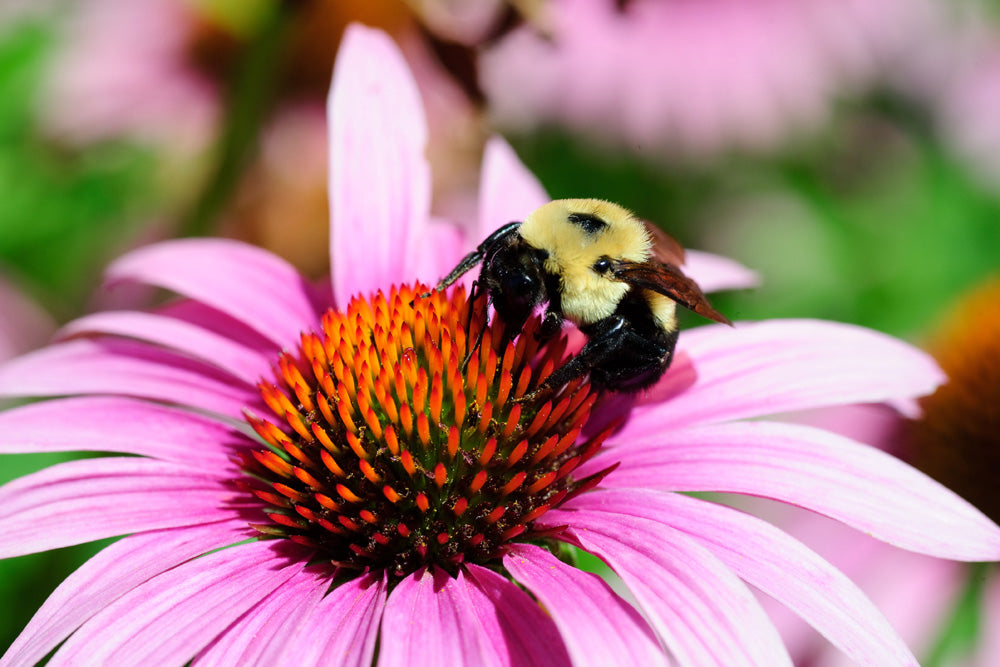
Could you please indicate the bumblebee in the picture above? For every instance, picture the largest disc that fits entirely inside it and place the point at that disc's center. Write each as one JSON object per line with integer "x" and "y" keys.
{"x": 596, "y": 265}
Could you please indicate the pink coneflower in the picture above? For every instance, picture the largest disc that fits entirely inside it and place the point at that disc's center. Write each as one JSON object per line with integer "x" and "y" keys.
{"x": 305, "y": 484}
{"x": 693, "y": 77}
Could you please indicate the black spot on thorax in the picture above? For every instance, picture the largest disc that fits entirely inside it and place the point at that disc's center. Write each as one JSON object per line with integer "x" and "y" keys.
{"x": 590, "y": 223}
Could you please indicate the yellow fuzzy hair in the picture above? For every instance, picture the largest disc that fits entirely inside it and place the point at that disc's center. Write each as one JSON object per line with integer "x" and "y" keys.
{"x": 586, "y": 296}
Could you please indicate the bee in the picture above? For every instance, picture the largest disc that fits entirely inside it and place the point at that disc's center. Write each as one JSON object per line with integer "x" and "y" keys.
{"x": 593, "y": 263}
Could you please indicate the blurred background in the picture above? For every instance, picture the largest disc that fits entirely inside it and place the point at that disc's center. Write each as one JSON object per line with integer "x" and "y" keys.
{"x": 847, "y": 150}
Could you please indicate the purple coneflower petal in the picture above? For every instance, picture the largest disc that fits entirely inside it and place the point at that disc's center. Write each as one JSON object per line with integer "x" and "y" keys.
{"x": 171, "y": 617}
{"x": 513, "y": 621}
{"x": 342, "y": 629}
{"x": 507, "y": 190}
{"x": 764, "y": 368}
{"x": 714, "y": 272}
{"x": 114, "y": 366}
{"x": 190, "y": 339}
{"x": 379, "y": 177}
{"x": 426, "y": 622}
{"x": 597, "y": 626}
{"x": 250, "y": 284}
{"x": 701, "y": 610}
{"x": 856, "y": 484}
{"x": 223, "y": 324}
{"x": 444, "y": 243}
{"x": 773, "y": 562}
{"x": 262, "y": 635}
{"x": 122, "y": 425}
{"x": 43, "y": 510}
{"x": 102, "y": 580}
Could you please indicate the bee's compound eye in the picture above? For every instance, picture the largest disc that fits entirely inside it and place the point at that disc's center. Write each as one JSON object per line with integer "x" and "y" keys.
{"x": 603, "y": 265}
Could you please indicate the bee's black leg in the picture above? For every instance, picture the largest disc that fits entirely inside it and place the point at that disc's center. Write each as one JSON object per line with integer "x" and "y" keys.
{"x": 617, "y": 357}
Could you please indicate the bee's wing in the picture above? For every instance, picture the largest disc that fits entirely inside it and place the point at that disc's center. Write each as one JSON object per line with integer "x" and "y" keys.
{"x": 666, "y": 248}
{"x": 668, "y": 280}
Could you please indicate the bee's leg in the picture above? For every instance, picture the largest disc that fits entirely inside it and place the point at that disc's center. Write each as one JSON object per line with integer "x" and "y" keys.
{"x": 600, "y": 345}
{"x": 617, "y": 357}
{"x": 553, "y": 318}
{"x": 477, "y": 298}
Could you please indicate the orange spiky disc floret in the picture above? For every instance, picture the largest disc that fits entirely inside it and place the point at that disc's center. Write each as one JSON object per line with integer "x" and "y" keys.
{"x": 405, "y": 434}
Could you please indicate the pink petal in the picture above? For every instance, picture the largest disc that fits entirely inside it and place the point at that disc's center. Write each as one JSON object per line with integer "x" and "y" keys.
{"x": 170, "y": 618}
{"x": 426, "y": 623}
{"x": 245, "y": 282}
{"x": 343, "y": 627}
{"x": 81, "y": 501}
{"x": 703, "y": 613}
{"x": 821, "y": 471}
{"x": 598, "y": 627}
{"x": 262, "y": 635}
{"x": 379, "y": 177}
{"x": 715, "y": 272}
{"x": 776, "y": 366}
{"x": 123, "y": 425}
{"x": 190, "y": 339}
{"x": 110, "y": 574}
{"x": 507, "y": 190}
{"x": 112, "y": 366}
{"x": 222, "y": 324}
{"x": 519, "y": 631}
{"x": 445, "y": 245}
{"x": 773, "y": 562}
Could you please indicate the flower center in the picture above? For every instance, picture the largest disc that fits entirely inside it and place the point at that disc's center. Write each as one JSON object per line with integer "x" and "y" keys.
{"x": 404, "y": 435}
{"x": 957, "y": 440}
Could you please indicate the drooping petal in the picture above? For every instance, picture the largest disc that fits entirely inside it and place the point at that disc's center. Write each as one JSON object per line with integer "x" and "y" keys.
{"x": 379, "y": 177}
{"x": 426, "y": 623}
{"x": 701, "y": 610}
{"x": 519, "y": 631}
{"x": 110, "y": 574}
{"x": 128, "y": 368}
{"x": 764, "y": 368}
{"x": 773, "y": 562}
{"x": 598, "y": 627}
{"x": 507, "y": 190}
{"x": 821, "y": 471}
{"x": 262, "y": 635}
{"x": 342, "y": 629}
{"x": 45, "y": 510}
{"x": 715, "y": 272}
{"x": 171, "y": 617}
{"x": 250, "y": 284}
{"x": 241, "y": 362}
{"x": 123, "y": 425}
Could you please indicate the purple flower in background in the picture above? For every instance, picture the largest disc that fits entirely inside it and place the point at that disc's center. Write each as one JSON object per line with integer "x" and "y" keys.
{"x": 693, "y": 77}
{"x": 123, "y": 69}
{"x": 308, "y": 473}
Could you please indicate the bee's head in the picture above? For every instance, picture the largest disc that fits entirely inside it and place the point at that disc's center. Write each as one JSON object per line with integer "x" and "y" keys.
{"x": 580, "y": 237}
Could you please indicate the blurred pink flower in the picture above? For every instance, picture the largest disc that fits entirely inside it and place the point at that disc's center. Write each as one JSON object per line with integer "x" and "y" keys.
{"x": 171, "y": 389}
{"x": 123, "y": 70}
{"x": 697, "y": 77}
